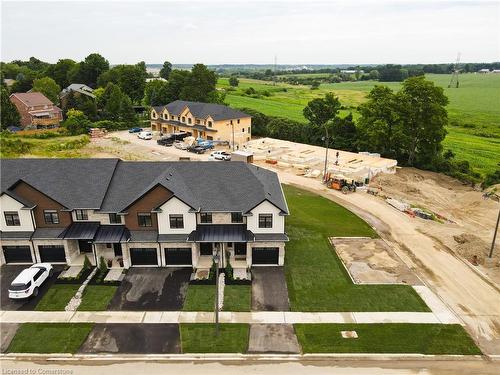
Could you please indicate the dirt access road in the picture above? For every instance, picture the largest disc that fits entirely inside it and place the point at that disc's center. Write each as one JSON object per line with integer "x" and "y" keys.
{"x": 428, "y": 247}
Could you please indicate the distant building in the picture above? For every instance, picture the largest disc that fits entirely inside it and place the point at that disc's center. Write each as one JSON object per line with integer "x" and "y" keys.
{"x": 483, "y": 71}
{"x": 156, "y": 79}
{"x": 9, "y": 82}
{"x": 496, "y": 71}
{"x": 36, "y": 110}
{"x": 77, "y": 89}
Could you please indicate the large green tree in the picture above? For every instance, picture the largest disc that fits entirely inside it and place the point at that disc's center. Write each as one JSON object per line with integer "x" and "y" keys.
{"x": 130, "y": 78}
{"x": 422, "y": 110}
{"x": 90, "y": 69}
{"x": 200, "y": 85}
{"x": 9, "y": 114}
{"x": 166, "y": 70}
{"x": 155, "y": 93}
{"x": 117, "y": 106}
{"x": 379, "y": 126}
{"x": 48, "y": 87}
{"x": 60, "y": 72}
{"x": 321, "y": 112}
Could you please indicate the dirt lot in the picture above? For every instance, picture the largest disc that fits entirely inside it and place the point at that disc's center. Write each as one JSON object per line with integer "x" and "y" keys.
{"x": 372, "y": 261}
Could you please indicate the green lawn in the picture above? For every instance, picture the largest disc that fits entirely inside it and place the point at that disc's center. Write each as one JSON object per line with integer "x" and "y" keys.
{"x": 237, "y": 297}
{"x": 474, "y": 113}
{"x": 386, "y": 338}
{"x": 316, "y": 278}
{"x": 200, "y": 338}
{"x": 49, "y": 337}
{"x": 97, "y": 297}
{"x": 57, "y": 297}
{"x": 200, "y": 298}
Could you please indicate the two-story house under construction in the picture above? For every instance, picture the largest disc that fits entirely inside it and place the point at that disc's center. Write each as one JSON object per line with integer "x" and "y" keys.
{"x": 206, "y": 120}
{"x": 149, "y": 214}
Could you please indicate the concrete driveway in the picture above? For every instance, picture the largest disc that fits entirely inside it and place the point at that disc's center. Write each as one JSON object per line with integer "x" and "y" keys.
{"x": 7, "y": 333}
{"x": 269, "y": 290}
{"x": 273, "y": 338}
{"x": 133, "y": 338}
{"x": 152, "y": 289}
{"x": 7, "y": 274}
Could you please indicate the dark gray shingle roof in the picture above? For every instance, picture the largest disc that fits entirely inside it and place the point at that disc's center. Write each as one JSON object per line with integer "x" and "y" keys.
{"x": 203, "y": 110}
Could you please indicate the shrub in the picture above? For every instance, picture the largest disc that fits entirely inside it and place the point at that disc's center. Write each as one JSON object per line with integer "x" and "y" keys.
{"x": 213, "y": 270}
{"x": 13, "y": 147}
{"x": 229, "y": 270}
{"x": 491, "y": 179}
{"x": 103, "y": 267}
{"x": 86, "y": 263}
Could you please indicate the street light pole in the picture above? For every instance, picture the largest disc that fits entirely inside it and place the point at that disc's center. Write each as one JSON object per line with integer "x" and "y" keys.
{"x": 494, "y": 236}
{"x": 326, "y": 152}
{"x": 216, "y": 260}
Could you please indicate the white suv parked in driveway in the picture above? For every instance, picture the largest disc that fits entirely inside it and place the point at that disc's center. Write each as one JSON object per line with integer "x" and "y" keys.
{"x": 28, "y": 282}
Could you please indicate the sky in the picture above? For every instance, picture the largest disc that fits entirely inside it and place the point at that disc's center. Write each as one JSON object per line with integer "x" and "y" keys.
{"x": 253, "y": 32}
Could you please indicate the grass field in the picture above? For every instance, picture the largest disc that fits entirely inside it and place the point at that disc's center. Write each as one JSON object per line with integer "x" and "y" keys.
{"x": 201, "y": 338}
{"x": 474, "y": 110}
{"x": 316, "y": 278}
{"x": 49, "y": 337}
{"x": 386, "y": 338}
{"x": 57, "y": 297}
{"x": 14, "y": 146}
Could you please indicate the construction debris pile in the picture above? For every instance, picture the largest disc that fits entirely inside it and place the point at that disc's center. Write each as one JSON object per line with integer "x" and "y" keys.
{"x": 309, "y": 160}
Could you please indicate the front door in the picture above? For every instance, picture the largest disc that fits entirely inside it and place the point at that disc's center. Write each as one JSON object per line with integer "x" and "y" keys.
{"x": 206, "y": 248}
{"x": 117, "y": 247}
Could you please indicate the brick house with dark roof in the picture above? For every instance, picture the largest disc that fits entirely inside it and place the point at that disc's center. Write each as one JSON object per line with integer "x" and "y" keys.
{"x": 36, "y": 110}
{"x": 141, "y": 213}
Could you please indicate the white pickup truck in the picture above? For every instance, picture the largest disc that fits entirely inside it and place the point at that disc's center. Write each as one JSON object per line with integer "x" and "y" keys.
{"x": 220, "y": 155}
{"x": 29, "y": 281}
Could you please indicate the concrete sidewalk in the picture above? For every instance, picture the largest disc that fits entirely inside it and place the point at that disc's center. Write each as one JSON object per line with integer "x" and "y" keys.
{"x": 271, "y": 317}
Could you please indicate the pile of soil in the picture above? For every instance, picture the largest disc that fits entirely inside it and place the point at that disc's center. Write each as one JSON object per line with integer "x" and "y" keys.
{"x": 470, "y": 246}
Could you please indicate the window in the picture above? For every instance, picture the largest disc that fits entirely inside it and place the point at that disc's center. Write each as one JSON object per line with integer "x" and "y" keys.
{"x": 12, "y": 219}
{"x": 153, "y": 114}
{"x": 206, "y": 218}
{"x": 236, "y": 217}
{"x": 243, "y": 130}
{"x": 176, "y": 221}
{"x": 249, "y": 129}
{"x": 265, "y": 220}
{"x": 238, "y": 121}
{"x": 81, "y": 215}
{"x": 197, "y": 121}
{"x": 172, "y": 117}
{"x": 231, "y": 122}
{"x": 144, "y": 219}
{"x": 115, "y": 219}
{"x": 183, "y": 119}
{"x": 210, "y": 124}
{"x": 51, "y": 217}
{"x": 189, "y": 120}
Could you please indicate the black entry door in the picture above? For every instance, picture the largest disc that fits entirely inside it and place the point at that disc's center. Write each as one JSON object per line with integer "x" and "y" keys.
{"x": 117, "y": 248}
{"x": 17, "y": 254}
{"x": 178, "y": 256}
{"x": 52, "y": 253}
{"x": 265, "y": 255}
{"x": 206, "y": 248}
{"x": 85, "y": 246}
{"x": 240, "y": 248}
{"x": 143, "y": 257}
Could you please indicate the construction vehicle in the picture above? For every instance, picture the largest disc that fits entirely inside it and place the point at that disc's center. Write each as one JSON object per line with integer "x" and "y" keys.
{"x": 341, "y": 183}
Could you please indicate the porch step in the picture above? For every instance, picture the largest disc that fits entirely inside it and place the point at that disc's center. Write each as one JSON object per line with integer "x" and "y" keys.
{"x": 115, "y": 274}
{"x": 71, "y": 272}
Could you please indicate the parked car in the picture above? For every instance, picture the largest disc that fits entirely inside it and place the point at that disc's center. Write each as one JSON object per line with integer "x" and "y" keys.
{"x": 221, "y": 155}
{"x": 135, "y": 130}
{"x": 29, "y": 281}
{"x": 196, "y": 149}
{"x": 146, "y": 135}
{"x": 165, "y": 141}
{"x": 180, "y": 145}
{"x": 207, "y": 145}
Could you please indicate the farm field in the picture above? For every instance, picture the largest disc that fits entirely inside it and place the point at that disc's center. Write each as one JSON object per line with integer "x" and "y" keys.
{"x": 474, "y": 110}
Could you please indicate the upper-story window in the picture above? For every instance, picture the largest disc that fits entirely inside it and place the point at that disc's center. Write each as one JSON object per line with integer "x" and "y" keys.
{"x": 236, "y": 217}
{"x": 178, "y": 118}
{"x": 81, "y": 215}
{"x": 265, "y": 220}
{"x": 206, "y": 218}
{"x": 144, "y": 219}
{"x": 197, "y": 121}
{"x": 51, "y": 216}
{"x": 176, "y": 221}
{"x": 210, "y": 124}
{"x": 189, "y": 120}
{"x": 183, "y": 119}
{"x": 153, "y": 114}
{"x": 172, "y": 117}
{"x": 115, "y": 219}
{"x": 249, "y": 129}
{"x": 165, "y": 116}
{"x": 238, "y": 121}
{"x": 12, "y": 218}
{"x": 231, "y": 122}
{"x": 243, "y": 130}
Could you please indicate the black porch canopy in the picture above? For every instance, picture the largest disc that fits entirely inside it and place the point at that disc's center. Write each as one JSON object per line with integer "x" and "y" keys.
{"x": 81, "y": 231}
{"x": 112, "y": 234}
{"x": 221, "y": 233}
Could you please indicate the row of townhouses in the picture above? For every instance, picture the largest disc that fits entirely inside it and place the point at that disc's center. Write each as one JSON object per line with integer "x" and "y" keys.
{"x": 206, "y": 120}
{"x": 157, "y": 214}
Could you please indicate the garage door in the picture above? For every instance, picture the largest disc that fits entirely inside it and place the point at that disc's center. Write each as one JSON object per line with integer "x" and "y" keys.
{"x": 265, "y": 255}
{"x": 52, "y": 254}
{"x": 178, "y": 256}
{"x": 143, "y": 257}
{"x": 17, "y": 254}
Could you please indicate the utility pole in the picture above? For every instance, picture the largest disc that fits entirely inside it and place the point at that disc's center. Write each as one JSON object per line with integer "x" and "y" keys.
{"x": 494, "y": 236}
{"x": 232, "y": 129}
{"x": 216, "y": 260}
{"x": 326, "y": 152}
